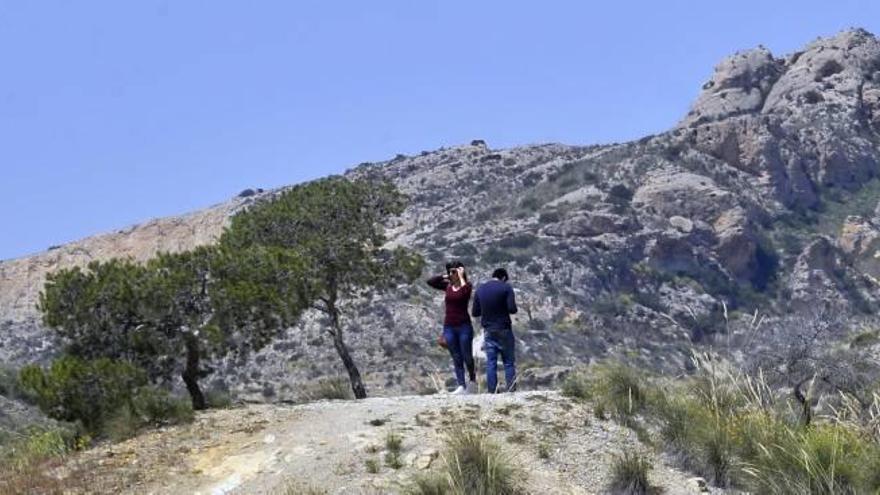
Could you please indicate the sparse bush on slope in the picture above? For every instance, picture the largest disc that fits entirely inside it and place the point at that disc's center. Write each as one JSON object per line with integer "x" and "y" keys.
{"x": 473, "y": 464}
{"x": 629, "y": 474}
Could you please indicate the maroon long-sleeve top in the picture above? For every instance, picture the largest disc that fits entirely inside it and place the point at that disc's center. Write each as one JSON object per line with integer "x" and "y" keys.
{"x": 456, "y": 300}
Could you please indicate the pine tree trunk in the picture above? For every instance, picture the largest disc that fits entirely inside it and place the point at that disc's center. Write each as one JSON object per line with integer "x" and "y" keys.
{"x": 190, "y": 375}
{"x": 357, "y": 384}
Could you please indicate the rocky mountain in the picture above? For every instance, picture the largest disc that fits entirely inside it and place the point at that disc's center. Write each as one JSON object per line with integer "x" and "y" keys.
{"x": 759, "y": 206}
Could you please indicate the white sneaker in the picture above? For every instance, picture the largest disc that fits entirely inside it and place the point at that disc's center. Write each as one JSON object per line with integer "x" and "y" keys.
{"x": 459, "y": 391}
{"x": 472, "y": 388}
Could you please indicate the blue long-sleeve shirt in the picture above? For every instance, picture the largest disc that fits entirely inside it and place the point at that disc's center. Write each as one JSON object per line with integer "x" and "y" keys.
{"x": 494, "y": 302}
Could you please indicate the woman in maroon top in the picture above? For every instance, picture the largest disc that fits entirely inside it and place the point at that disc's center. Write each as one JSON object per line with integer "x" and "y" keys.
{"x": 457, "y": 329}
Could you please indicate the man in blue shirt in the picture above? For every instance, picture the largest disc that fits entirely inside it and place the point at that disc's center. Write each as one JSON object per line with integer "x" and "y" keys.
{"x": 494, "y": 302}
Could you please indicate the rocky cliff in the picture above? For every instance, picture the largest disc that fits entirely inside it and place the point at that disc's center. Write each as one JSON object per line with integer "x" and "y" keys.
{"x": 760, "y": 202}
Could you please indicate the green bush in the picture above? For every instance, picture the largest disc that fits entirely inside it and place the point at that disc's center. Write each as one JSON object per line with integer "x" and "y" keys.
{"x": 822, "y": 459}
{"x": 76, "y": 390}
{"x": 577, "y": 386}
{"x": 629, "y": 474}
{"x": 9, "y": 385}
{"x": 108, "y": 398}
{"x": 37, "y": 444}
{"x": 472, "y": 465}
{"x": 393, "y": 448}
{"x": 477, "y": 465}
{"x": 519, "y": 241}
{"x": 615, "y": 388}
{"x": 333, "y": 388}
{"x": 549, "y": 217}
{"x": 23, "y": 461}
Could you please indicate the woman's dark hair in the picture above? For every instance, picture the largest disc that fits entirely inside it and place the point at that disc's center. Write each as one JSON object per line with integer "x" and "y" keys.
{"x": 500, "y": 274}
{"x": 456, "y": 264}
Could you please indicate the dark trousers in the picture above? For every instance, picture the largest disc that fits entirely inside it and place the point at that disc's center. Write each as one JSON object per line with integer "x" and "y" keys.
{"x": 459, "y": 341}
{"x": 500, "y": 342}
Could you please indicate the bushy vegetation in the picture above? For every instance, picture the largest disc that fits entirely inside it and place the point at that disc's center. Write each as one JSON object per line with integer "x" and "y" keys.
{"x": 332, "y": 388}
{"x": 472, "y": 464}
{"x": 735, "y": 431}
{"x": 615, "y": 390}
{"x": 22, "y": 460}
{"x": 104, "y": 397}
{"x": 393, "y": 449}
{"x": 629, "y": 474}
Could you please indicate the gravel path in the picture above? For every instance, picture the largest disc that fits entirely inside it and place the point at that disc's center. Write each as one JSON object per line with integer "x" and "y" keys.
{"x": 331, "y": 445}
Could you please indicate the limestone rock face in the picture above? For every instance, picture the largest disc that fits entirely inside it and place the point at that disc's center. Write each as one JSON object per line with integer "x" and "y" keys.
{"x": 814, "y": 274}
{"x": 859, "y": 241}
{"x": 737, "y": 244}
{"x": 828, "y": 71}
{"x": 676, "y": 193}
{"x": 740, "y": 85}
{"x": 590, "y": 225}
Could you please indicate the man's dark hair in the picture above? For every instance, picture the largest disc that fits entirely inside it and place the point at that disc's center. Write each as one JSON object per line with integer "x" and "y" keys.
{"x": 500, "y": 274}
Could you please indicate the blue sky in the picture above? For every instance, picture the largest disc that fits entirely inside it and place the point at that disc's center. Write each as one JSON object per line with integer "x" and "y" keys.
{"x": 113, "y": 112}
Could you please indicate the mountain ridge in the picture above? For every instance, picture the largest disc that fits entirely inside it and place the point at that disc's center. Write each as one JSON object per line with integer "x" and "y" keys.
{"x": 643, "y": 249}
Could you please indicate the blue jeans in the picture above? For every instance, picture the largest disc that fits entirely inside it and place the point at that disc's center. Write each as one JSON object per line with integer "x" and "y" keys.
{"x": 500, "y": 341}
{"x": 459, "y": 340}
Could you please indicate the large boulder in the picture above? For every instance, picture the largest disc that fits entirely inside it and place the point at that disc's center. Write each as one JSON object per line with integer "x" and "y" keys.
{"x": 829, "y": 71}
{"x": 737, "y": 244}
{"x": 859, "y": 240}
{"x": 739, "y": 85}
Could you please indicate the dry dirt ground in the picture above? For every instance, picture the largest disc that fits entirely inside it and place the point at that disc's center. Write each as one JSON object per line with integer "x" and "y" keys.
{"x": 334, "y": 446}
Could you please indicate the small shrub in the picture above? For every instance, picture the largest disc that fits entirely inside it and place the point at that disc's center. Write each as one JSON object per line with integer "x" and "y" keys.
{"x": 494, "y": 256}
{"x": 299, "y": 488}
{"x": 477, "y": 465}
{"x": 548, "y": 217}
{"x": 336, "y": 388}
{"x": 464, "y": 249}
{"x": 430, "y": 484}
{"x": 577, "y": 386}
{"x": 158, "y": 407}
{"x": 629, "y": 474}
{"x": 543, "y": 450}
{"x": 519, "y": 241}
{"x": 530, "y": 203}
{"x": 372, "y": 466}
{"x": 616, "y": 389}
{"x": 218, "y": 399}
{"x": 393, "y": 447}
{"x": 9, "y": 384}
{"x": 37, "y": 444}
{"x": 620, "y": 195}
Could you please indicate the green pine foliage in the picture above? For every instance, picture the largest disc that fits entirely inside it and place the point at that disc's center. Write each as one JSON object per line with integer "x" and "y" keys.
{"x": 311, "y": 246}
{"x": 334, "y": 226}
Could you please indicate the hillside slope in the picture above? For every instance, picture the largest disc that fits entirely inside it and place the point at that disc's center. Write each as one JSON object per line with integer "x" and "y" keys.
{"x": 761, "y": 202}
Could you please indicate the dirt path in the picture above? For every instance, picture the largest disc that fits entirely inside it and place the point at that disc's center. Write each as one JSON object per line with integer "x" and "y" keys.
{"x": 332, "y": 445}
